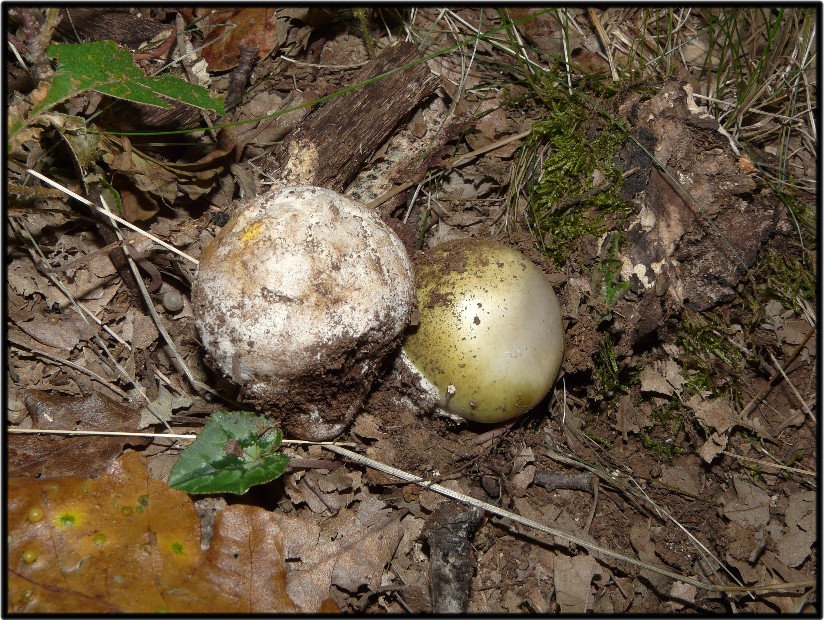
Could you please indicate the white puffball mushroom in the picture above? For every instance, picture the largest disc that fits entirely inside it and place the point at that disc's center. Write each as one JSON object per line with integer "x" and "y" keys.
{"x": 489, "y": 338}
{"x": 299, "y": 299}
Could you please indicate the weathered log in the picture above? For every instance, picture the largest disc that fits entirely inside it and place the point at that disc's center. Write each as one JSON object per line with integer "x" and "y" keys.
{"x": 333, "y": 142}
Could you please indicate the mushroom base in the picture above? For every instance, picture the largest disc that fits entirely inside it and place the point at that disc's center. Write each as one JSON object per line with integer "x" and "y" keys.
{"x": 320, "y": 403}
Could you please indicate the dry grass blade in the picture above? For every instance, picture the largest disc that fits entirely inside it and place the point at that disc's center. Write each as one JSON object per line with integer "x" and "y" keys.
{"x": 490, "y": 508}
{"x": 764, "y": 463}
{"x": 56, "y": 431}
{"x": 112, "y": 216}
{"x": 602, "y": 35}
{"x": 801, "y": 400}
{"x": 41, "y": 262}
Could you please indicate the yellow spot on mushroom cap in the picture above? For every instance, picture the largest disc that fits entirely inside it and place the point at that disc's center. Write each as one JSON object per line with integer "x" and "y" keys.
{"x": 251, "y": 232}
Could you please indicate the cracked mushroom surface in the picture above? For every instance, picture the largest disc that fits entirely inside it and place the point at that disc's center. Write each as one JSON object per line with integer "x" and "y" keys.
{"x": 299, "y": 299}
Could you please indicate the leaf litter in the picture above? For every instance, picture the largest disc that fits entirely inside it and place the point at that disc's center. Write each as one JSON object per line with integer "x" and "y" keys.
{"x": 65, "y": 533}
{"x": 756, "y": 518}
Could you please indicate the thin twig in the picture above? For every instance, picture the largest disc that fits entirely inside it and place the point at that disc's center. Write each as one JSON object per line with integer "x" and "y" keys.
{"x": 111, "y": 215}
{"x": 490, "y": 508}
{"x": 496, "y": 432}
{"x": 70, "y": 364}
{"x": 104, "y": 327}
{"x": 792, "y": 387}
{"x": 594, "y": 503}
{"x": 317, "y": 494}
{"x": 765, "y": 390}
{"x": 570, "y": 482}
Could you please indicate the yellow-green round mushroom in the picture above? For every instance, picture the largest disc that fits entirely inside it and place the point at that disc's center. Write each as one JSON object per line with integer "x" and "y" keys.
{"x": 489, "y": 337}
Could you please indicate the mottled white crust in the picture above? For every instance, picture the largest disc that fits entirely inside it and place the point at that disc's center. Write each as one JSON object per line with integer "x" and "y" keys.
{"x": 300, "y": 297}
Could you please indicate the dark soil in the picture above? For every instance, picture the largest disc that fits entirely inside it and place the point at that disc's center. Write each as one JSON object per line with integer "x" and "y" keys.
{"x": 669, "y": 405}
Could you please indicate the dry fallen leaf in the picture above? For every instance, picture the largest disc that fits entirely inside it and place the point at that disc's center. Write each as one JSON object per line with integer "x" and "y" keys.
{"x": 751, "y": 505}
{"x": 573, "y": 576}
{"x": 347, "y": 554}
{"x": 63, "y": 331}
{"x": 682, "y": 594}
{"x": 127, "y": 543}
{"x": 800, "y": 517}
{"x": 662, "y": 378}
{"x": 255, "y": 28}
{"x": 641, "y": 537}
{"x": 53, "y": 455}
{"x": 718, "y": 414}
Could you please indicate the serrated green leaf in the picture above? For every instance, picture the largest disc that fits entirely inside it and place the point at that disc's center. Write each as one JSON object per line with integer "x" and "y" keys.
{"x": 108, "y": 68}
{"x": 235, "y": 451}
{"x": 174, "y": 88}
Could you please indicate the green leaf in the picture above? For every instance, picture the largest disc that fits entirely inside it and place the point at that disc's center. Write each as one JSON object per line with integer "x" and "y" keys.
{"x": 107, "y": 68}
{"x": 235, "y": 451}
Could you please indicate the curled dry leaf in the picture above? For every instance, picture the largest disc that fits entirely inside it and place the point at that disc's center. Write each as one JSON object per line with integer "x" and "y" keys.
{"x": 255, "y": 28}
{"x": 128, "y": 543}
{"x": 143, "y": 180}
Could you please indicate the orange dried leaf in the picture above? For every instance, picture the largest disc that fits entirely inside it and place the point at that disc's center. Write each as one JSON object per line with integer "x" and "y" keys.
{"x": 128, "y": 543}
{"x": 252, "y": 27}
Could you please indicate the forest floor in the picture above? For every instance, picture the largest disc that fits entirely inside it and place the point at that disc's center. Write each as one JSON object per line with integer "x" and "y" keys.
{"x": 676, "y": 221}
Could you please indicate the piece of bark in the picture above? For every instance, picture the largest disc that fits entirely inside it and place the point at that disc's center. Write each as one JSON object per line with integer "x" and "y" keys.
{"x": 451, "y": 560}
{"x": 101, "y": 23}
{"x": 330, "y": 147}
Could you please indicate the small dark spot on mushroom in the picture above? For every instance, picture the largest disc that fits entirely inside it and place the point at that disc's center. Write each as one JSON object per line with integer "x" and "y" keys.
{"x": 476, "y": 320}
